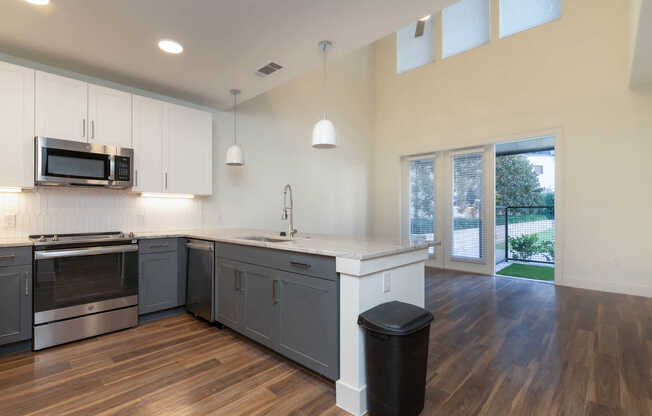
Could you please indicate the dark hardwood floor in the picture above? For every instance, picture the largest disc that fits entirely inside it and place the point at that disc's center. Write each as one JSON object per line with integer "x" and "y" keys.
{"x": 498, "y": 346}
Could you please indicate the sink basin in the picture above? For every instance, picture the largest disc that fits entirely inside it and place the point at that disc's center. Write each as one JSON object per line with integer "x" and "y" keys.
{"x": 265, "y": 239}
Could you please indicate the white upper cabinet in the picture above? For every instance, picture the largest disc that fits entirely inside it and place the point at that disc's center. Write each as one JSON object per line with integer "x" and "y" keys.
{"x": 109, "y": 115}
{"x": 16, "y": 126}
{"x": 75, "y": 110}
{"x": 148, "y": 123}
{"x": 172, "y": 144}
{"x": 188, "y": 135}
{"x": 61, "y": 107}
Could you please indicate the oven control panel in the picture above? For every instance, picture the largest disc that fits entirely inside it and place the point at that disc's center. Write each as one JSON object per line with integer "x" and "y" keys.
{"x": 122, "y": 169}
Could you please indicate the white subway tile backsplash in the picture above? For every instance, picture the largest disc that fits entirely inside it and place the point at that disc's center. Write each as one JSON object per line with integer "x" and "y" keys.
{"x": 80, "y": 210}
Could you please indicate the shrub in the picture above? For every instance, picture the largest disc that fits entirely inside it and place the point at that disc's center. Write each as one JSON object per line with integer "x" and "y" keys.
{"x": 547, "y": 248}
{"x": 525, "y": 246}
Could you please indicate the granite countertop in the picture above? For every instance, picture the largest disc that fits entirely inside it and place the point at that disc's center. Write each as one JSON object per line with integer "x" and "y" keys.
{"x": 15, "y": 242}
{"x": 358, "y": 248}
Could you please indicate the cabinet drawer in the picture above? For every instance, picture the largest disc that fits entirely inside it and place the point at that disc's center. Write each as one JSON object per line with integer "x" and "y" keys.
{"x": 308, "y": 264}
{"x": 157, "y": 245}
{"x": 15, "y": 256}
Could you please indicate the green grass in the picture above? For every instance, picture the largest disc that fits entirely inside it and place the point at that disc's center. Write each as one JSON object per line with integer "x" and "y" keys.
{"x": 529, "y": 272}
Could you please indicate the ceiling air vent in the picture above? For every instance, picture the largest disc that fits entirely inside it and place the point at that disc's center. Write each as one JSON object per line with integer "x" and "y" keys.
{"x": 268, "y": 69}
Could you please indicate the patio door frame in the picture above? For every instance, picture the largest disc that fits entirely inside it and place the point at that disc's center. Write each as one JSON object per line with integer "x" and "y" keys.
{"x": 443, "y": 223}
{"x": 443, "y": 201}
{"x": 483, "y": 265}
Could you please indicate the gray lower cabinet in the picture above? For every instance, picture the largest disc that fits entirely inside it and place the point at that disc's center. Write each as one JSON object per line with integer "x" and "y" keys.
{"x": 15, "y": 304}
{"x": 158, "y": 285}
{"x": 294, "y": 314}
{"x": 260, "y": 304}
{"x": 228, "y": 294}
{"x": 308, "y": 322}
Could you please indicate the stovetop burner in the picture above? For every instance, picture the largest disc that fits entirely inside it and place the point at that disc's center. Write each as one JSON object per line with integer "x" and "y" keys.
{"x": 54, "y": 239}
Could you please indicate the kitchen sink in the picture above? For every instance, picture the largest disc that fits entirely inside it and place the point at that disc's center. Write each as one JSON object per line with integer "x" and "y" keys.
{"x": 265, "y": 239}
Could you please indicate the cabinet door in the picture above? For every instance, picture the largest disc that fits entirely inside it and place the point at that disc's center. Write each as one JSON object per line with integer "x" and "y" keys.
{"x": 61, "y": 105}
{"x": 228, "y": 294}
{"x": 109, "y": 113}
{"x": 189, "y": 151}
{"x": 15, "y": 304}
{"x": 158, "y": 283}
{"x": 260, "y": 320}
{"x": 309, "y": 331}
{"x": 148, "y": 118}
{"x": 16, "y": 126}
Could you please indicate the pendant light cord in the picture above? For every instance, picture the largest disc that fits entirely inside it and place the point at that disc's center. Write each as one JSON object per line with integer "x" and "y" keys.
{"x": 235, "y": 115}
{"x": 325, "y": 49}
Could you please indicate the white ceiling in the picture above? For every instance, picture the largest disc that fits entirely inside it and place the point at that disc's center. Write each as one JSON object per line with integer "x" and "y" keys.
{"x": 225, "y": 41}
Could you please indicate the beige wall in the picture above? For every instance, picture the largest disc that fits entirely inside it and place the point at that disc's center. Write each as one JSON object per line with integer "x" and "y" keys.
{"x": 570, "y": 75}
{"x": 330, "y": 186}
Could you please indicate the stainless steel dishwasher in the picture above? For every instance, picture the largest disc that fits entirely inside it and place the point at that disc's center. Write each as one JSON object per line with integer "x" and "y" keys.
{"x": 201, "y": 269}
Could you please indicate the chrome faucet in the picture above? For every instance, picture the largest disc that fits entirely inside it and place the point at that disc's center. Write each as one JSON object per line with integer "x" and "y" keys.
{"x": 286, "y": 208}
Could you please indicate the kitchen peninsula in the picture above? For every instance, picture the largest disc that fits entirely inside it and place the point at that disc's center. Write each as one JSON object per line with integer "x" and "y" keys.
{"x": 370, "y": 272}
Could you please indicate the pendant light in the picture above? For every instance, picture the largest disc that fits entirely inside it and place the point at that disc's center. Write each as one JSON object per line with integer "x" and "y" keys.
{"x": 323, "y": 134}
{"x": 234, "y": 154}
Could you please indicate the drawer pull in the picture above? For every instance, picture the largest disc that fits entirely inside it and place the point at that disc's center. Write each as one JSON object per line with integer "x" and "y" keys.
{"x": 160, "y": 246}
{"x": 11, "y": 257}
{"x": 26, "y": 284}
{"x": 300, "y": 265}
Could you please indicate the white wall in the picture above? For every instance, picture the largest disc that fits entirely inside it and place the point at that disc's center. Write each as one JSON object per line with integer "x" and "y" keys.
{"x": 570, "y": 76}
{"x": 275, "y": 131}
{"x": 80, "y": 210}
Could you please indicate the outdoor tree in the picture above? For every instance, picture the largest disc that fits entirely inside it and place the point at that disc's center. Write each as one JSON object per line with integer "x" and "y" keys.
{"x": 517, "y": 183}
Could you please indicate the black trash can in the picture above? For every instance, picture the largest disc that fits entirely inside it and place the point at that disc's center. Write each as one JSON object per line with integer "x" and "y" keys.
{"x": 396, "y": 351}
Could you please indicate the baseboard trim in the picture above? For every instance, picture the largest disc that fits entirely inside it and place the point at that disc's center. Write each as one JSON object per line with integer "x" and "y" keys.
{"x": 635, "y": 290}
{"x": 351, "y": 399}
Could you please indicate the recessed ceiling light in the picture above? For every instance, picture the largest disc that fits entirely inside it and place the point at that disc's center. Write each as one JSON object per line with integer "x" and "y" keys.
{"x": 170, "y": 46}
{"x": 39, "y": 2}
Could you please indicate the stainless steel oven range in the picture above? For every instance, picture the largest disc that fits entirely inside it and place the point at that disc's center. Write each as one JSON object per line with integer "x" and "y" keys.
{"x": 84, "y": 285}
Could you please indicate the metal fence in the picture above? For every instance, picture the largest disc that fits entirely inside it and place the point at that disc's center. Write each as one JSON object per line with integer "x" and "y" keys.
{"x": 525, "y": 234}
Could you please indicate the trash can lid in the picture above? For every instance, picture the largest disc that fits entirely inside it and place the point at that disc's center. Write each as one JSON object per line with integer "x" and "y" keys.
{"x": 395, "y": 318}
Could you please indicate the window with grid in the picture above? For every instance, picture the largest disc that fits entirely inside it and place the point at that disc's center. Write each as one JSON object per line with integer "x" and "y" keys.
{"x": 519, "y": 15}
{"x": 421, "y": 218}
{"x": 467, "y": 239}
{"x": 465, "y": 25}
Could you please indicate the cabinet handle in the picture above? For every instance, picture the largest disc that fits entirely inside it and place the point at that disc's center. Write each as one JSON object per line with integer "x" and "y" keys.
{"x": 166, "y": 180}
{"x": 300, "y": 265}
{"x": 136, "y": 177}
{"x": 10, "y": 257}
{"x": 92, "y": 129}
{"x": 235, "y": 281}
{"x": 275, "y": 291}
{"x": 159, "y": 246}
{"x": 26, "y": 284}
{"x": 83, "y": 127}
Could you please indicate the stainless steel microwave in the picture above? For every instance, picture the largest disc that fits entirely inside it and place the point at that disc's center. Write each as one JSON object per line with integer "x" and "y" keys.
{"x": 66, "y": 162}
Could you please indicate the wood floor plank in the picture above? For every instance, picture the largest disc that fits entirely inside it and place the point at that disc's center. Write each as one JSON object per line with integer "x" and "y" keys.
{"x": 498, "y": 346}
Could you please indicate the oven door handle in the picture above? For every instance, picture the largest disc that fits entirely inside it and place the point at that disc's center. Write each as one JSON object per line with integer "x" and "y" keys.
{"x": 85, "y": 251}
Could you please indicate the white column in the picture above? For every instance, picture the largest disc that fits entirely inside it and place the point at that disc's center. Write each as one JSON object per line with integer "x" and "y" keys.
{"x": 363, "y": 285}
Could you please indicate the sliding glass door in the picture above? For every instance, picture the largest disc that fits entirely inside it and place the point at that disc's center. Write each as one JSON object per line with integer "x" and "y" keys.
{"x": 448, "y": 199}
{"x": 467, "y": 236}
{"x": 421, "y": 203}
